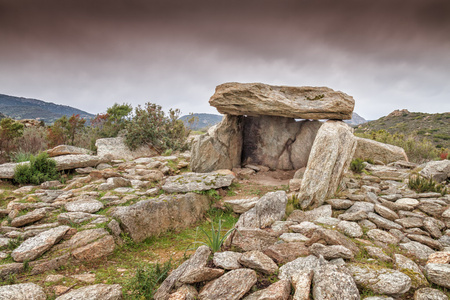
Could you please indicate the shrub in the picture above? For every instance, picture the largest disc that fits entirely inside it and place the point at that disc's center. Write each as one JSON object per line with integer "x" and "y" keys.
{"x": 214, "y": 238}
{"x": 33, "y": 140}
{"x": 151, "y": 126}
{"x": 40, "y": 169}
{"x": 357, "y": 165}
{"x": 147, "y": 279}
{"x": 10, "y": 130}
{"x": 423, "y": 185}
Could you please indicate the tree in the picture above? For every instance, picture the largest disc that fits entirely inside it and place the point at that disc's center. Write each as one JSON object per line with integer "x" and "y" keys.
{"x": 74, "y": 125}
{"x": 111, "y": 123}
{"x": 64, "y": 130}
{"x": 9, "y": 131}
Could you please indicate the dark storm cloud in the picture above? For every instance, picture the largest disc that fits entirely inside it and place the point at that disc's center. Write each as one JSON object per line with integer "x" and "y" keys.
{"x": 387, "y": 54}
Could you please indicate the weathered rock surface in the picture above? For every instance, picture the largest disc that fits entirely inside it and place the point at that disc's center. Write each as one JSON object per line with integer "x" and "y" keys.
{"x": 228, "y": 260}
{"x": 30, "y": 217}
{"x": 240, "y": 206}
{"x": 350, "y": 229}
{"x": 334, "y": 282}
{"x": 332, "y": 237}
{"x": 85, "y": 206}
{"x": 220, "y": 148}
{"x": 288, "y": 270}
{"x": 382, "y": 236}
{"x": 330, "y": 157}
{"x": 37, "y": 245}
{"x": 189, "y": 182}
{"x": 301, "y": 216}
{"x": 22, "y": 291}
{"x": 429, "y": 294}
{"x": 301, "y": 281}
{"x": 115, "y": 148}
{"x": 367, "y": 148}
{"x": 278, "y": 142}
{"x": 95, "y": 292}
{"x": 100, "y": 248}
{"x": 250, "y": 239}
{"x": 255, "y": 99}
{"x": 75, "y": 217}
{"x": 410, "y": 268}
{"x": 68, "y": 162}
{"x": 200, "y": 275}
{"x": 417, "y": 249}
{"x": 286, "y": 252}
{"x": 331, "y": 252}
{"x": 231, "y": 286}
{"x": 380, "y": 280}
{"x": 152, "y": 217}
{"x": 67, "y": 150}
{"x": 258, "y": 261}
{"x": 438, "y": 274}
{"x": 279, "y": 290}
{"x": 438, "y": 170}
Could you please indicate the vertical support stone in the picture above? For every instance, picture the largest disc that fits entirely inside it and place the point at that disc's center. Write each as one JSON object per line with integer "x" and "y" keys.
{"x": 330, "y": 157}
{"x": 220, "y": 148}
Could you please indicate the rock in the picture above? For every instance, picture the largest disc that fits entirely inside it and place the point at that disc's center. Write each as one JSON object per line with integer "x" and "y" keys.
{"x": 200, "y": 275}
{"x": 185, "y": 292}
{"x": 95, "y": 292}
{"x": 83, "y": 238}
{"x": 386, "y": 212}
{"x": 361, "y": 206}
{"x": 306, "y": 228}
{"x": 417, "y": 249}
{"x": 350, "y": 229}
{"x": 410, "y": 222}
{"x": 286, "y": 252}
{"x": 30, "y": 217}
{"x": 330, "y": 157}
{"x": 68, "y": 162}
{"x": 289, "y": 237}
{"x": 100, "y": 248}
{"x": 339, "y": 203}
{"x": 88, "y": 278}
{"x": 22, "y": 291}
{"x": 438, "y": 170}
{"x": 431, "y": 207}
{"x": 220, "y": 148}
{"x": 86, "y": 206}
{"x": 231, "y": 286}
{"x": 410, "y": 268}
{"x": 380, "y": 280}
{"x": 37, "y": 245}
{"x": 67, "y": 150}
{"x": 354, "y": 216}
{"x": 228, "y": 260}
{"x": 382, "y": 236}
{"x": 50, "y": 184}
{"x": 382, "y": 222}
{"x": 330, "y": 252}
{"x": 189, "y": 182}
{"x": 7, "y": 170}
{"x": 279, "y": 290}
{"x": 240, "y": 206}
{"x": 288, "y": 270}
{"x": 433, "y": 227}
{"x": 75, "y": 217}
{"x": 332, "y": 237}
{"x": 198, "y": 260}
{"x": 438, "y": 274}
{"x": 439, "y": 258}
{"x": 334, "y": 282}
{"x": 115, "y": 148}
{"x": 311, "y": 215}
{"x": 151, "y": 217}
{"x": 278, "y": 142}
{"x": 426, "y": 241}
{"x": 113, "y": 183}
{"x": 378, "y": 253}
{"x": 301, "y": 281}
{"x": 429, "y": 294}
{"x": 255, "y": 99}
{"x": 258, "y": 261}
{"x": 253, "y": 239}
{"x": 367, "y": 148}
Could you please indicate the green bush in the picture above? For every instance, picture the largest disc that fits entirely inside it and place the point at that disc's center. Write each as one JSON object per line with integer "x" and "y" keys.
{"x": 423, "y": 185}
{"x": 151, "y": 126}
{"x": 357, "y": 165}
{"x": 40, "y": 169}
{"x": 147, "y": 279}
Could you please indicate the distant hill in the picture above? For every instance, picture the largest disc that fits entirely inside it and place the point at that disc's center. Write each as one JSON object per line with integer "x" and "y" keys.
{"x": 356, "y": 120}
{"x": 202, "y": 121}
{"x": 2, "y": 116}
{"x": 435, "y": 127}
{"x": 24, "y": 108}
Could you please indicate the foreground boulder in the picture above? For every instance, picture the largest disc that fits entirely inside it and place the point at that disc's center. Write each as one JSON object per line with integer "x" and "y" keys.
{"x": 330, "y": 157}
{"x": 152, "y": 217}
{"x": 220, "y": 148}
{"x": 115, "y": 148}
{"x": 189, "y": 182}
{"x": 255, "y": 99}
{"x": 437, "y": 170}
{"x": 366, "y": 148}
{"x": 334, "y": 283}
{"x": 22, "y": 291}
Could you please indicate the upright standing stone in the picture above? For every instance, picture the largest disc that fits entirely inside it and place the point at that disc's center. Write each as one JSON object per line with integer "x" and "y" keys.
{"x": 220, "y": 148}
{"x": 330, "y": 157}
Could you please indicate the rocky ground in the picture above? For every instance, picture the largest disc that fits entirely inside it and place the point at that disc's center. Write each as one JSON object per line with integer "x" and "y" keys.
{"x": 375, "y": 239}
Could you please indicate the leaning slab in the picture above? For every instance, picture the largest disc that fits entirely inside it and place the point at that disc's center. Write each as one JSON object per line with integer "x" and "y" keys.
{"x": 330, "y": 157}
{"x": 220, "y": 148}
{"x": 189, "y": 182}
{"x": 374, "y": 150}
{"x": 152, "y": 217}
{"x": 255, "y": 99}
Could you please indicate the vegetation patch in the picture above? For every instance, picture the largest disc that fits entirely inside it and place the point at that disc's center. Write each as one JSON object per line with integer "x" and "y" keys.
{"x": 40, "y": 169}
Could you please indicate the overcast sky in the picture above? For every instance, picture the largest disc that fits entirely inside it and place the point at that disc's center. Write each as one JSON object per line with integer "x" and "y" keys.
{"x": 387, "y": 54}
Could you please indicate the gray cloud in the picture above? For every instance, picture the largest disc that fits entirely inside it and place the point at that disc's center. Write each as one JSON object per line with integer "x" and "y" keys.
{"x": 90, "y": 54}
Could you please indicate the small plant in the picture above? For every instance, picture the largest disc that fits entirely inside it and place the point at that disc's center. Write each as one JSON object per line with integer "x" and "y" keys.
{"x": 214, "y": 239}
{"x": 168, "y": 152}
{"x": 21, "y": 157}
{"x": 292, "y": 204}
{"x": 357, "y": 165}
{"x": 147, "y": 279}
{"x": 40, "y": 169}
{"x": 14, "y": 243}
{"x": 444, "y": 155}
{"x": 423, "y": 185}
